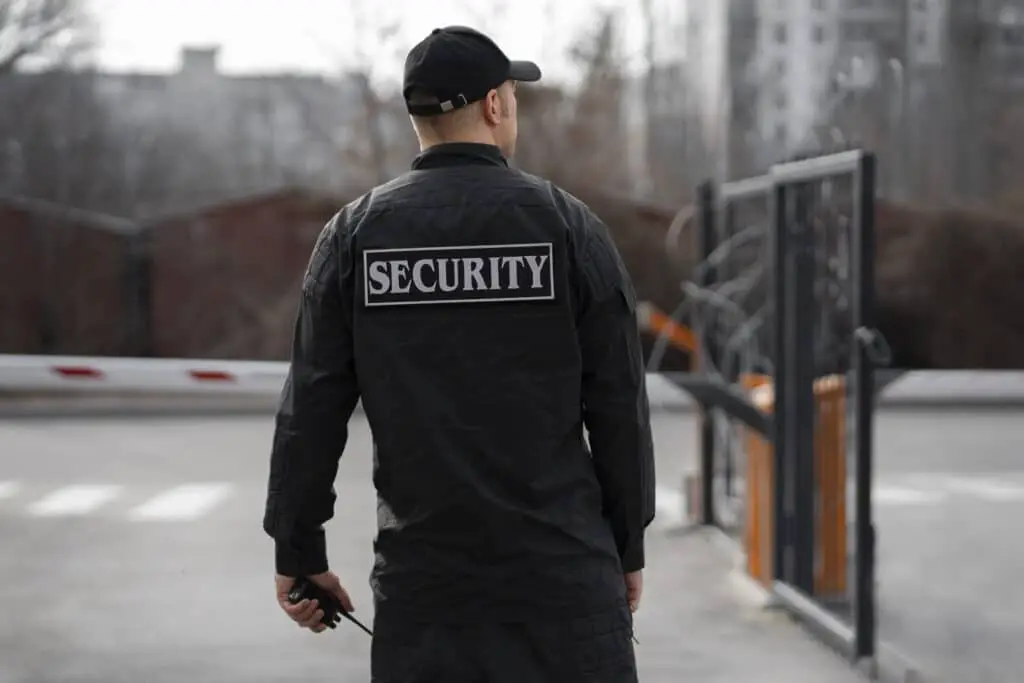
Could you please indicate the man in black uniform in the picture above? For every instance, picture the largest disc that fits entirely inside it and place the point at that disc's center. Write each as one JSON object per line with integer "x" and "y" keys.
{"x": 485, "y": 318}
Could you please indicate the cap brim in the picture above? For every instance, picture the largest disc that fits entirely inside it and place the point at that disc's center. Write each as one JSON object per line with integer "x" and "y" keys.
{"x": 524, "y": 71}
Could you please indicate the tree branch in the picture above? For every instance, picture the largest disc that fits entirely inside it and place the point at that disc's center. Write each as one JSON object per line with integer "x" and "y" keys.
{"x": 32, "y": 28}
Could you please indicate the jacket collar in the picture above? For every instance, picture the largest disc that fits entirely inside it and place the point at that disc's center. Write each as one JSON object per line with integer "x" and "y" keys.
{"x": 459, "y": 154}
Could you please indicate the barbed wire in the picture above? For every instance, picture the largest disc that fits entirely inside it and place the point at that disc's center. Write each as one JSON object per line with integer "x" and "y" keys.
{"x": 728, "y": 299}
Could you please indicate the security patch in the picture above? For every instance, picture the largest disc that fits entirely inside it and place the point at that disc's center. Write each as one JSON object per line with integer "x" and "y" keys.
{"x": 456, "y": 275}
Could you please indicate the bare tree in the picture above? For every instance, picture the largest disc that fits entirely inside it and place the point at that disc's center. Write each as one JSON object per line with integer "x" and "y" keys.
{"x": 597, "y": 128}
{"x": 382, "y": 33}
{"x": 50, "y": 125}
{"x": 51, "y": 128}
{"x": 579, "y": 137}
{"x": 46, "y": 32}
{"x": 650, "y": 105}
{"x": 371, "y": 139}
{"x": 59, "y": 143}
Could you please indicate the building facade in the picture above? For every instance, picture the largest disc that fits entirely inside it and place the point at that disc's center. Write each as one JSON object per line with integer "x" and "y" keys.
{"x": 778, "y": 70}
{"x": 657, "y": 101}
{"x": 267, "y": 129}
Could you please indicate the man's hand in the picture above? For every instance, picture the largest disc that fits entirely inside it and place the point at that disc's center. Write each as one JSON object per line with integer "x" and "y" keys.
{"x": 307, "y": 613}
{"x": 634, "y": 589}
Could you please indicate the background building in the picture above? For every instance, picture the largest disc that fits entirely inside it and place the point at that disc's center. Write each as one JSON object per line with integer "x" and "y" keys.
{"x": 270, "y": 128}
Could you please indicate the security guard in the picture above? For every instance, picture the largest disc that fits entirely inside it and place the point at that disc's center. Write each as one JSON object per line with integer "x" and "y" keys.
{"x": 485, "y": 318}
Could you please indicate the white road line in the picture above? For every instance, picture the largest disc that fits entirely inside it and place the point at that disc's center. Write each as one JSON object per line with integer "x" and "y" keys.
{"x": 182, "y": 503}
{"x": 80, "y": 499}
{"x": 900, "y": 495}
{"x": 8, "y": 489}
{"x": 986, "y": 489}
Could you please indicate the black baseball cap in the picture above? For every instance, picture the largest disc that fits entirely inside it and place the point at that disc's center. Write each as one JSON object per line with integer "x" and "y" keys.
{"x": 458, "y": 65}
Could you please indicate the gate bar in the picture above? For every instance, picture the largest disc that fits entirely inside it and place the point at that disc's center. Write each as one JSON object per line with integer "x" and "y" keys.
{"x": 863, "y": 305}
{"x": 707, "y": 351}
{"x": 816, "y": 168}
{"x": 800, "y": 410}
{"x": 780, "y": 244}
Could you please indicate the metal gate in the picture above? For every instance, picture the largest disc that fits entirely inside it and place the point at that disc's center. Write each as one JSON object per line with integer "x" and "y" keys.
{"x": 785, "y": 293}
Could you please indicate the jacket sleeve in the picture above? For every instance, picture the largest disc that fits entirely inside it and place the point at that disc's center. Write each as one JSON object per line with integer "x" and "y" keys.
{"x": 319, "y": 396}
{"x": 615, "y": 404}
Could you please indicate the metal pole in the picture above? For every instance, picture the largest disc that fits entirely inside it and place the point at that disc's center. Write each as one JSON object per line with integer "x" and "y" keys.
{"x": 800, "y": 413}
{"x": 864, "y": 406}
{"x": 780, "y": 240}
{"x": 707, "y": 351}
{"x": 726, "y": 357}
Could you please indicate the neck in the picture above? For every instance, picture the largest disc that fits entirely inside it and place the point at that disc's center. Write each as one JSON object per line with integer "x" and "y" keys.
{"x": 475, "y": 137}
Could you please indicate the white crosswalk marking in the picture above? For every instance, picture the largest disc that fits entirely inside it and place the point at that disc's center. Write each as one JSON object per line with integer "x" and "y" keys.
{"x": 189, "y": 502}
{"x": 80, "y": 499}
{"x": 182, "y": 503}
{"x": 8, "y": 489}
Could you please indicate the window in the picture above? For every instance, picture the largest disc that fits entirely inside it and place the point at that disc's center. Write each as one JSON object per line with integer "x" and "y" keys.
{"x": 780, "y": 33}
{"x": 921, "y": 36}
{"x": 779, "y": 67}
{"x": 819, "y": 34}
{"x": 859, "y": 30}
{"x": 780, "y": 132}
{"x": 780, "y": 100}
{"x": 818, "y": 4}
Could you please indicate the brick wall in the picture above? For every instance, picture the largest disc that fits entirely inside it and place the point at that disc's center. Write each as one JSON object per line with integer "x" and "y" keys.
{"x": 224, "y": 282}
{"x": 217, "y": 282}
{"x": 62, "y": 283}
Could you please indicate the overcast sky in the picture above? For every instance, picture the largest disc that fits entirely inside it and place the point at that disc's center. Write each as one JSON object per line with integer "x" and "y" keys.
{"x": 260, "y": 35}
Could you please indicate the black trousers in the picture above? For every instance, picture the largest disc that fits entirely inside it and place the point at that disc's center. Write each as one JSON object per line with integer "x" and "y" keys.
{"x": 594, "y": 649}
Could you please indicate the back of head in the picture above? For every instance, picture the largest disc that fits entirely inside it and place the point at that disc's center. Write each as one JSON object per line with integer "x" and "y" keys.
{"x": 460, "y": 87}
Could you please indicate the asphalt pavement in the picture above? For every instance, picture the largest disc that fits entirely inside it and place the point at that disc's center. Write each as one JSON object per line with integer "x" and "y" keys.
{"x": 131, "y": 549}
{"x": 949, "y": 500}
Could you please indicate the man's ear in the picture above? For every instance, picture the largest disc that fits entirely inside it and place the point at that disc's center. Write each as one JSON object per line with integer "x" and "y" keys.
{"x": 492, "y": 108}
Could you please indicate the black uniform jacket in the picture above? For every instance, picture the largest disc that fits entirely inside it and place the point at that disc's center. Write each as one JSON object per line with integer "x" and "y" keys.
{"x": 487, "y": 323}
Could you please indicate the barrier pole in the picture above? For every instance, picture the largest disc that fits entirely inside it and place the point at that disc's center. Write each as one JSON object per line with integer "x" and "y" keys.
{"x": 830, "y": 537}
{"x": 759, "y": 531}
{"x": 830, "y": 469}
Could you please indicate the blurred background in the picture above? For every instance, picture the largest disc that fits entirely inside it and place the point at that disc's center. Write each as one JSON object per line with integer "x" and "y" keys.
{"x": 165, "y": 166}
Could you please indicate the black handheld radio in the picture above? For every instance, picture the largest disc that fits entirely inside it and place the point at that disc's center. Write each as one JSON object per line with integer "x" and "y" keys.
{"x": 304, "y": 589}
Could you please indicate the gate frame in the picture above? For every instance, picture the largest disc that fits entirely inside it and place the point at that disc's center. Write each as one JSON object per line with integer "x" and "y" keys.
{"x": 791, "y": 430}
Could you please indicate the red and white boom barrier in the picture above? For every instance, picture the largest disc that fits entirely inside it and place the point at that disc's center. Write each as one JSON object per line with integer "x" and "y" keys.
{"x": 158, "y": 375}
{"x": 83, "y": 374}
{"x": 50, "y": 374}
{"x": 186, "y": 376}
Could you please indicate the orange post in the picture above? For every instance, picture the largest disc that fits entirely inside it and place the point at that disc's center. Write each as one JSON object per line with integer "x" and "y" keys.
{"x": 830, "y": 574}
{"x": 830, "y": 475}
{"x": 760, "y": 489}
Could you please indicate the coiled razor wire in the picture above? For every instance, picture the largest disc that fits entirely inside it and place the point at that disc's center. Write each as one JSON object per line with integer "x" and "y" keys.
{"x": 735, "y": 311}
